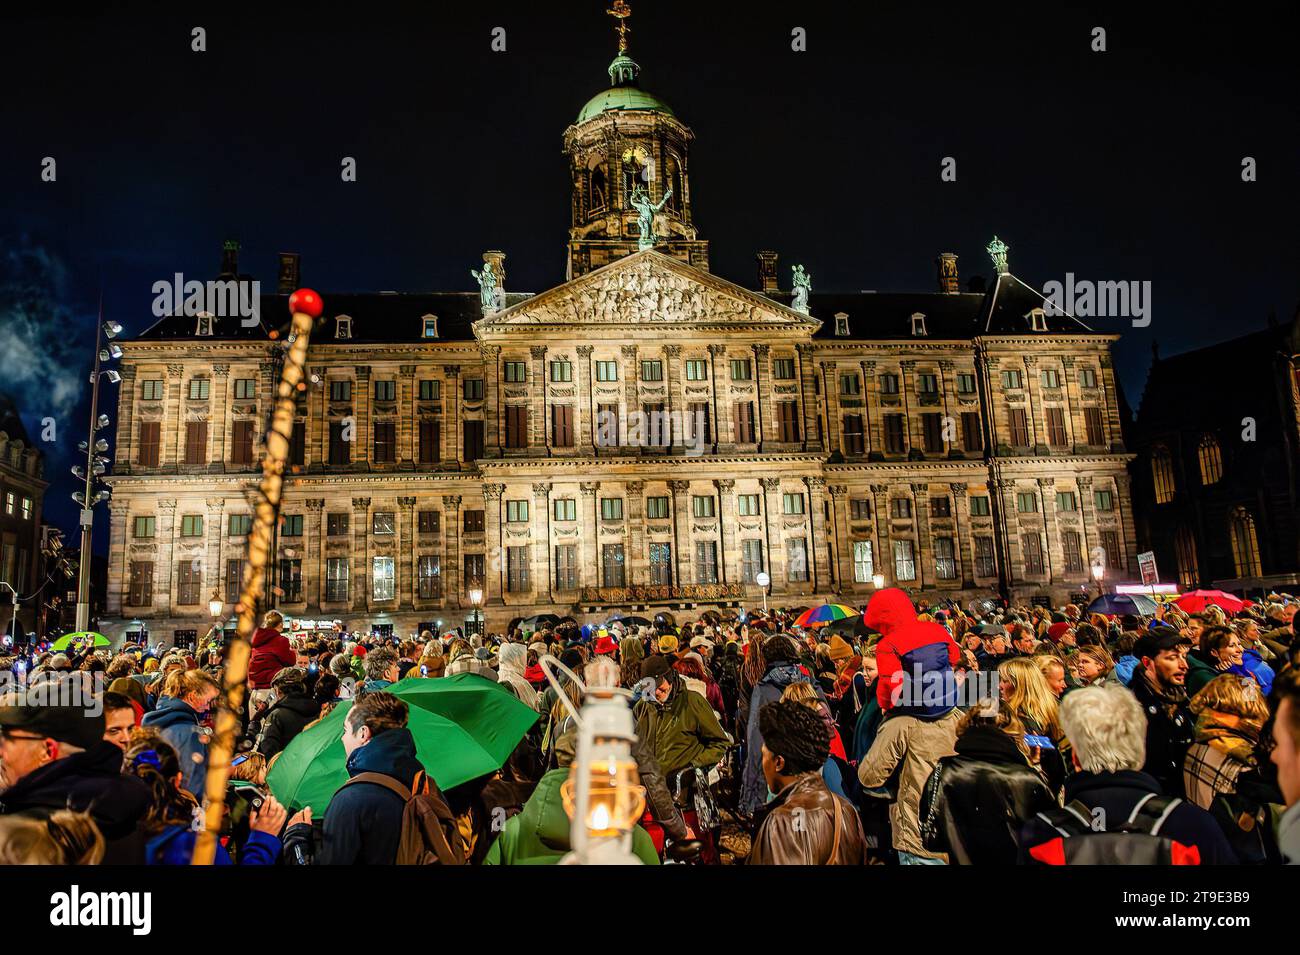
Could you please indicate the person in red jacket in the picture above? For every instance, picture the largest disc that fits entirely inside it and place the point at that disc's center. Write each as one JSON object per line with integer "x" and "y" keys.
{"x": 271, "y": 654}
{"x": 915, "y": 658}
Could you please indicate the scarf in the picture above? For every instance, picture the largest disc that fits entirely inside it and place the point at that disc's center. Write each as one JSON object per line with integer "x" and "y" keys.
{"x": 1233, "y": 735}
{"x": 845, "y": 678}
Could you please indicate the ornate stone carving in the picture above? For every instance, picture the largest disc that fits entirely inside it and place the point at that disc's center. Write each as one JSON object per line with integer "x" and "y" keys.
{"x": 451, "y": 500}
{"x": 629, "y": 351}
{"x": 584, "y": 351}
{"x": 407, "y": 502}
{"x": 815, "y": 483}
{"x": 589, "y": 488}
{"x": 717, "y": 349}
{"x": 175, "y": 371}
{"x": 537, "y": 351}
{"x": 635, "y": 487}
{"x": 762, "y": 351}
{"x": 315, "y": 503}
{"x": 673, "y": 351}
{"x": 541, "y": 489}
{"x": 957, "y": 487}
{"x": 770, "y": 483}
{"x": 1046, "y": 482}
{"x": 493, "y": 492}
{"x": 451, "y": 371}
{"x": 679, "y": 487}
{"x": 726, "y": 486}
{"x": 360, "y": 503}
{"x": 221, "y": 371}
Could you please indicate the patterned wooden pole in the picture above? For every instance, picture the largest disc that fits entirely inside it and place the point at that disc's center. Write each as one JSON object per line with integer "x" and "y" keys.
{"x": 305, "y": 306}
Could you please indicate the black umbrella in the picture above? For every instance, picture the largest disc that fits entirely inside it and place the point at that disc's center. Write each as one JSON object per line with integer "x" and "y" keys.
{"x": 852, "y": 627}
{"x": 628, "y": 621}
{"x": 537, "y": 621}
{"x": 665, "y": 619}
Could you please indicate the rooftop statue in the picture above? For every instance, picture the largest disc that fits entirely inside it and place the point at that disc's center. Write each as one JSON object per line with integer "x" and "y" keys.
{"x": 646, "y": 216}
{"x": 801, "y": 284}
{"x": 491, "y": 297}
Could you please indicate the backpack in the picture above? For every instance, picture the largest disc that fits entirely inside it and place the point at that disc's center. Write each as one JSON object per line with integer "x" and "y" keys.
{"x": 429, "y": 832}
{"x": 1136, "y": 841}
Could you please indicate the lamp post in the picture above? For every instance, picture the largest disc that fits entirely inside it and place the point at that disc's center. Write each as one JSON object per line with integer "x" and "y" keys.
{"x": 1099, "y": 572}
{"x": 764, "y": 580}
{"x": 878, "y": 581}
{"x": 216, "y": 605}
{"x": 476, "y": 615}
{"x": 13, "y": 621}
{"x": 95, "y": 464}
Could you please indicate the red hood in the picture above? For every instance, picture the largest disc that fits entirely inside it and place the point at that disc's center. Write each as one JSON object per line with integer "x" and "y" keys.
{"x": 888, "y": 610}
{"x": 262, "y": 636}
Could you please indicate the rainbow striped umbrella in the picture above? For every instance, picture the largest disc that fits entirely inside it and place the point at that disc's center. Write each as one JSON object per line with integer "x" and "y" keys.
{"x": 826, "y": 613}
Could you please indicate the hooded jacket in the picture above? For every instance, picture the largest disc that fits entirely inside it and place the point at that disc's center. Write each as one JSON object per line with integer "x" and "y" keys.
{"x": 779, "y": 675}
{"x": 284, "y": 720}
{"x": 976, "y": 802}
{"x": 915, "y": 659}
{"x": 178, "y": 723}
{"x": 364, "y": 822}
{"x": 271, "y": 654}
{"x": 539, "y": 834}
{"x": 512, "y": 670}
{"x": 89, "y": 781}
{"x": 682, "y": 731}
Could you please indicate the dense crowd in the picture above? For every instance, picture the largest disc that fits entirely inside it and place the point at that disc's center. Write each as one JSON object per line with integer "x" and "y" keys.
{"x": 985, "y": 734}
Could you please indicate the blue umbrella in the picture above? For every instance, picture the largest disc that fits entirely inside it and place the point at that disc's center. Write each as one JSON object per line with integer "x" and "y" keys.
{"x": 1120, "y": 604}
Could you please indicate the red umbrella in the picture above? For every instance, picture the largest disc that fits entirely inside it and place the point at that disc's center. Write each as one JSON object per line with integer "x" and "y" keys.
{"x": 1194, "y": 601}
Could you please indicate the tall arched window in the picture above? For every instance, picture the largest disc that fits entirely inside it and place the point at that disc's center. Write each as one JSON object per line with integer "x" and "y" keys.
{"x": 1162, "y": 474}
{"x": 1210, "y": 458}
{"x": 1189, "y": 573}
{"x": 674, "y": 182}
{"x": 599, "y": 190}
{"x": 1245, "y": 545}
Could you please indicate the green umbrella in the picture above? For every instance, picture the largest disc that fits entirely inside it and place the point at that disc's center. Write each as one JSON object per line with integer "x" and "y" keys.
{"x": 464, "y": 727}
{"x": 99, "y": 640}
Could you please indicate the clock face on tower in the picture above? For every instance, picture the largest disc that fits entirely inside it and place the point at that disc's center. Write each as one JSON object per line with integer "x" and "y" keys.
{"x": 636, "y": 158}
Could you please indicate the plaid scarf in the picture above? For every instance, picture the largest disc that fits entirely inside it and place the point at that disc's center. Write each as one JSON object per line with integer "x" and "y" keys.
{"x": 845, "y": 678}
{"x": 1230, "y": 734}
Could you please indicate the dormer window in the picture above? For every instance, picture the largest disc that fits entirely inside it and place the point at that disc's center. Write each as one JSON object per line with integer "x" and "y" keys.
{"x": 841, "y": 324}
{"x": 429, "y": 326}
{"x": 1037, "y": 320}
{"x": 918, "y": 325}
{"x": 343, "y": 327}
{"x": 203, "y": 324}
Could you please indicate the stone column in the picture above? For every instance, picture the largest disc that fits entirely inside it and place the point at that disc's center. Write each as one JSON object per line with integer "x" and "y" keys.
{"x": 214, "y": 532}
{"x": 583, "y": 375}
{"x": 681, "y": 491}
{"x": 539, "y": 431}
{"x": 359, "y": 578}
{"x": 406, "y": 427}
{"x": 963, "y": 545}
{"x": 173, "y": 411}
{"x": 873, "y": 427}
{"x": 817, "y": 534}
{"x": 451, "y": 549}
{"x": 882, "y": 557}
{"x": 905, "y": 392}
{"x": 718, "y": 352}
{"x": 1113, "y": 429}
{"x": 1073, "y": 404}
{"x": 631, "y": 395}
{"x": 164, "y": 573}
{"x": 362, "y": 398}
{"x": 124, "y": 439}
{"x": 406, "y": 553}
{"x": 1051, "y": 535}
{"x": 1124, "y": 513}
{"x": 774, "y": 549}
{"x": 453, "y": 452}
{"x": 637, "y": 559}
{"x": 727, "y": 550}
{"x": 119, "y": 565}
{"x": 589, "y": 542}
{"x": 921, "y": 521}
{"x": 1033, "y": 404}
{"x": 317, "y": 421}
{"x": 808, "y": 396}
{"x": 673, "y": 382}
{"x": 831, "y": 399}
{"x": 492, "y": 403}
{"x": 1010, "y": 528}
{"x": 313, "y": 566}
{"x": 840, "y": 534}
{"x": 763, "y": 386}
{"x": 945, "y": 374}
{"x": 493, "y": 545}
{"x": 541, "y": 541}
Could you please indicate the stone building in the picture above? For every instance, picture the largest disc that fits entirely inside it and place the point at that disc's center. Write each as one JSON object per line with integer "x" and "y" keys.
{"x": 645, "y": 435}
{"x": 22, "y": 493}
{"x": 1217, "y": 478}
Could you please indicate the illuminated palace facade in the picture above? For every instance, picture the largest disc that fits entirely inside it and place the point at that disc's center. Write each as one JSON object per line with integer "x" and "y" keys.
{"x": 646, "y": 435}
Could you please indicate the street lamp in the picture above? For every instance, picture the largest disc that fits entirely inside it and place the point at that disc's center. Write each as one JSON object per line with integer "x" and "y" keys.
{"x": 1098, "y": 572}
{"x": 476, "y": 615}
{"x": 216, "y": 604}
{"x": 878, "y": 581}
{"x": 95, "y": 465}
{"x": 13, "y": 621}
{"x": 763, "y": 579}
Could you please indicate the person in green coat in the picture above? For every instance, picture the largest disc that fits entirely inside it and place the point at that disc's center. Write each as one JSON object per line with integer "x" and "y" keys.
{"x": 539, "y": 834}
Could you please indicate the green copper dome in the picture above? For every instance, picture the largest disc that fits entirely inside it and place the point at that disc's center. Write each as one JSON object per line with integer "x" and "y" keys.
{"x": 623, "y": 92}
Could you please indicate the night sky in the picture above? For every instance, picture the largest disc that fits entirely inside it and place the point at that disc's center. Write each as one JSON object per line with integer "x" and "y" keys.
{"x": 1123, "y": 165}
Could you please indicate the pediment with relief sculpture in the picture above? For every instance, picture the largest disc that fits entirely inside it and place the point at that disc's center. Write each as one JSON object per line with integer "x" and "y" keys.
{"x": 647, "y": 289}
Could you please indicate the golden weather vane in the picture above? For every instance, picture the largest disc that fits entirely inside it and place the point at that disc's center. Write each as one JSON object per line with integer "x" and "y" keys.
{"x": 622, "y": 11}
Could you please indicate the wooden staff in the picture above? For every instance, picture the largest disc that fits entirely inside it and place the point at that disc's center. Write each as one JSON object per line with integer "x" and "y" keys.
{"x": 305, "y": 306}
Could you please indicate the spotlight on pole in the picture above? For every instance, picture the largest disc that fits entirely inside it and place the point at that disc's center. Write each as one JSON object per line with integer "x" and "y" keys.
{"x": 112, "y": 329}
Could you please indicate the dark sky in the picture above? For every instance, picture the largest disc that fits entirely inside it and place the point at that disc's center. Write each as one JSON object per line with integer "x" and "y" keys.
{"x": 1123, "y": 165}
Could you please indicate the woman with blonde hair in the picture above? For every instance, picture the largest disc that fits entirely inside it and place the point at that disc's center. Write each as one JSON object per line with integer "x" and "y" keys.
{"x": 1091, "y": 665}
{"x": 64, "y": 838}
{"x": 1230, "y": 712}
{"x": 1053, "y": 669}
{"x": 1033, "y": 712}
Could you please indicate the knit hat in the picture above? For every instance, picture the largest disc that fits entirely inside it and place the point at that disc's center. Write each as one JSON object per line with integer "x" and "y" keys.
{"x": 668, "y": 643}
{"x": 604, "y": 644}
{"x": 1056, "y": 631}
{"x": 840, "y": 649}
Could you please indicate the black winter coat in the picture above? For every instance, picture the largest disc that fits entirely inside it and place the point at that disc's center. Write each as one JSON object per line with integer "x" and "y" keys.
{"x": 1170, "y": 732}
{"x": 284, "y": 720}
{"x": 89, "y": 781}
{"x": 363, "y": 824}
{"x": 976, "y": 802}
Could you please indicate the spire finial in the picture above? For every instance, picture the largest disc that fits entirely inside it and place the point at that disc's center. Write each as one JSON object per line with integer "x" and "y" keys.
{"x": 997, "y": 250}
{"x": 622, "y": 11}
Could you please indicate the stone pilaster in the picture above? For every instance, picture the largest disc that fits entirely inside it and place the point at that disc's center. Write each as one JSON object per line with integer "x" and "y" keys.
{"x": 360, "y": 575}
{"x": 493, "y": 544}
{"x": 313, "y": 558}
{"x": 165, "y": 532}
{"x": 124, "y": 441}
{"x": 840, "y": 533}
{"x": 451, "y": 562}
{"x": 589, "y": 550}
{"x": 406, "y": 427}
{"x": 924, "y": 540}
{"x": 728, "y": 550}
{"x": 807, "y": 371}
{"x": 821, "y": 576}
{"x": 831, "y": 399}
{"x": 681, "y": 493}
{"x": 406, "y": 553}
{"x": 637, "y": 558}
{"x": 453, "y": 451}
{"x": 543, "y": 577}
{"x": 362, "y": 401}
{"x": 673, "y": 388}
{"x": 1051, "y": 533}
{"x": 963, "y": 545}
{"x": 721, "y": 417}
{"x": 873, "y": 427}
{"x": 538, "y": 427}
{"x": 493, "y": 406}
{"x": 173, "y": 435}
{"x": 764, "y": 414}
{"x": 584, "y": 375}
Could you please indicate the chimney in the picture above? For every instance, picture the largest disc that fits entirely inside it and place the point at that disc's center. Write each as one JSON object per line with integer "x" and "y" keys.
{"x": 767, "y": 283}
{"x": 497, "y": 260}
{"x": 229, "y": 259}
{"x": 948, "y": 279}
{"x": 290, "y": 279}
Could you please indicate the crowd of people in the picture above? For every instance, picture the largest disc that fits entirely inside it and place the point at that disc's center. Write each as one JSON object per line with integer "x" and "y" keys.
{"x": 906, "y": 735}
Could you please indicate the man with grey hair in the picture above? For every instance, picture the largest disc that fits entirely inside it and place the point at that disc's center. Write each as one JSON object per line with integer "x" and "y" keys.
{"x": 381, "y": 669}
{"x": 1107, "y": 729}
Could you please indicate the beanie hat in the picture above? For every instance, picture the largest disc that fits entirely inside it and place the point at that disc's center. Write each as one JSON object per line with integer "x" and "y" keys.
{"x": 668, "y": 643}
{"x": 840, "y": 649}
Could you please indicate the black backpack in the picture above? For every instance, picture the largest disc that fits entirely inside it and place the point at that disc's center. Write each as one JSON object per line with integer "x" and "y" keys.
{"x": 1136, "y": 841}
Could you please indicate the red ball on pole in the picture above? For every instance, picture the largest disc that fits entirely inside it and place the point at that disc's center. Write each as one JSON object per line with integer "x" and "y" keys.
{"x": 307, "y": 301}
